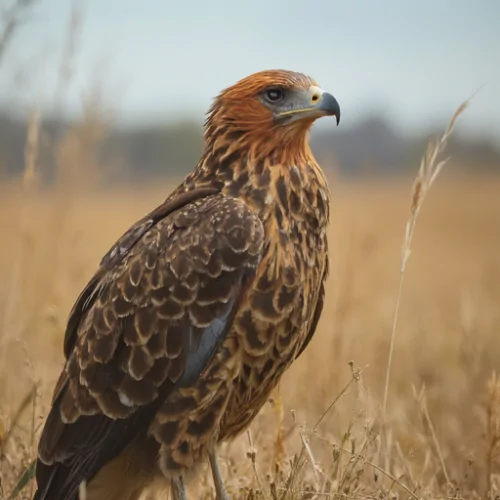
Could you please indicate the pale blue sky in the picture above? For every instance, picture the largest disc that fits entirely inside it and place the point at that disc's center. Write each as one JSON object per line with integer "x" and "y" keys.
{"x": 415, "y": 59}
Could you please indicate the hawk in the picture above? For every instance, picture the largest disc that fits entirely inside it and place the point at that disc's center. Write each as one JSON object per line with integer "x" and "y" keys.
{"x": 198, "y": 309}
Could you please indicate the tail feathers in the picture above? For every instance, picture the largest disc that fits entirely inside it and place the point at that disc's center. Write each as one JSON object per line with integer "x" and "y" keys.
{"x": 43, "y": 485}
{"x": 55, "y": 482}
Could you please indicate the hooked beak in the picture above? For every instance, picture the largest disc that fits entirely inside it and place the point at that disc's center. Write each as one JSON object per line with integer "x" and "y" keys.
{"x": 329, "y": 106}
{"x": 313, "y": 103}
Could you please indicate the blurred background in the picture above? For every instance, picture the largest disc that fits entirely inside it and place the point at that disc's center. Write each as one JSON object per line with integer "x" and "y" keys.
{"x": 101, "y": 113}
{"x": 398, "y": 71}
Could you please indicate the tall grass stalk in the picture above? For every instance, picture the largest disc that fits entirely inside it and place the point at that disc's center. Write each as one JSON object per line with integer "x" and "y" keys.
{"x": 429, "y": 169}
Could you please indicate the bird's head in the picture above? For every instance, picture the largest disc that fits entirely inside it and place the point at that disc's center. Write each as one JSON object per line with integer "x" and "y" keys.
{"x": 276, "y": 106}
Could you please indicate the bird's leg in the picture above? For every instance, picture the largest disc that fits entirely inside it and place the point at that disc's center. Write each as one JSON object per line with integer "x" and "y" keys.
{"x": 178, "y": 489}
{"x": 220, "y": 491}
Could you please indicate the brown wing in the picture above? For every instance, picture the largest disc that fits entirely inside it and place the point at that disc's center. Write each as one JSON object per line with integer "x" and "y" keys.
{"x": 119, "y": 250}
{"x": 150, "y": 320}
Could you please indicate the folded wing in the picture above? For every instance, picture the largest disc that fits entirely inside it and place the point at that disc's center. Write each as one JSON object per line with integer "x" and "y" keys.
{"x": 149, "y": 320}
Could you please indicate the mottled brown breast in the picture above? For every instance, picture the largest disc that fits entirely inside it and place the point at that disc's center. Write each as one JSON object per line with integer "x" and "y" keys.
{"x": 279, "y": 313}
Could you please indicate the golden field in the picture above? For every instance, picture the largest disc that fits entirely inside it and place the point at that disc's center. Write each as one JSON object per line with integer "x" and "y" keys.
{"x": 441, "y": 437}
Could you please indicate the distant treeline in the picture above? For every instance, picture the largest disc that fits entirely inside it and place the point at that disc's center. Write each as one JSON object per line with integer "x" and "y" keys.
{"x": 369, "y": 148}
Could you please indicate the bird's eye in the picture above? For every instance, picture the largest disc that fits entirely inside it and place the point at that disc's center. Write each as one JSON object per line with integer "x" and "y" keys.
{"x": 274, "y": 95}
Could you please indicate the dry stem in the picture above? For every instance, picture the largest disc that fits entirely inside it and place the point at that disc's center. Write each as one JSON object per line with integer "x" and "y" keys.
{"x": 427, "y": 173}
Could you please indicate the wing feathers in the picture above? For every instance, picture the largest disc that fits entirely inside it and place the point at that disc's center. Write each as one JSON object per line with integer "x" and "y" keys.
{"x": 149, "y": 321}
{"x": 119, "y": 250}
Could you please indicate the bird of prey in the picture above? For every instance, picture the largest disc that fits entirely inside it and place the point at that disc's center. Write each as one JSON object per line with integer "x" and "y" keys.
{"x": 199, "y": 308}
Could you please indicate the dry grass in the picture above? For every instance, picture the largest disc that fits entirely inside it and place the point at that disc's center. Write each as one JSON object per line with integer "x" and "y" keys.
{"x": 346, "y": 423}
{"x": 322, "y": 434}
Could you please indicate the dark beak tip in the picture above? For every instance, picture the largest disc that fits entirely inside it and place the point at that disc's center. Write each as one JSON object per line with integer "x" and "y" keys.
{"x": 331, "y": 106}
